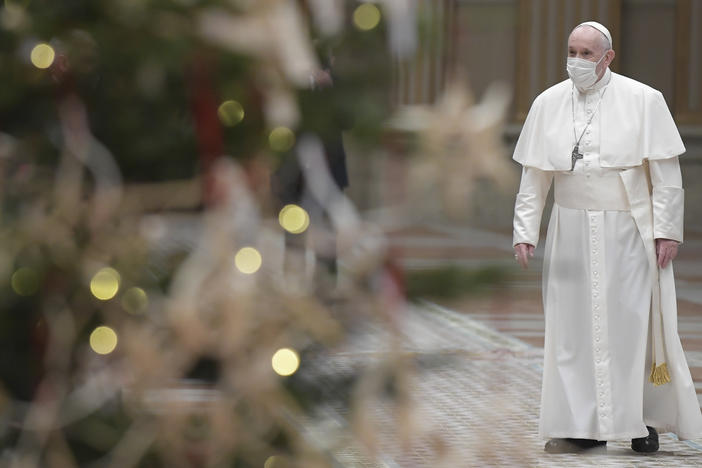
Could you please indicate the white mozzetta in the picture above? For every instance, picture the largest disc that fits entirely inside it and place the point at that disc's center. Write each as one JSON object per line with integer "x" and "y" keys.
{"x": 636, "y": 116}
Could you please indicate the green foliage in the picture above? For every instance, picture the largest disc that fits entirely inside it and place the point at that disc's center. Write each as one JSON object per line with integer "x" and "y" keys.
{"x": 452, "y": 281}
{"x": 132, "y": 64}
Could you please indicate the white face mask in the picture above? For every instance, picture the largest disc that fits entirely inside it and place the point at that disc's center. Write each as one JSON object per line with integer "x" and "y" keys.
{"x": 583, "y": 72}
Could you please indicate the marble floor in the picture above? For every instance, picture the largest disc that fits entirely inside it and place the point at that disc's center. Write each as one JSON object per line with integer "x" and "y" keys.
{"x": 476, "y": 367}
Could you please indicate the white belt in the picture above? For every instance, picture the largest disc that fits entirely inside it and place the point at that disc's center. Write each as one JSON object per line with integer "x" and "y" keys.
{"x": 602, "y": 190}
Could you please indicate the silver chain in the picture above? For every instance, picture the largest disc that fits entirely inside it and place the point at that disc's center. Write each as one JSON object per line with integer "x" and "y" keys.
{"x": 572, "y": 106}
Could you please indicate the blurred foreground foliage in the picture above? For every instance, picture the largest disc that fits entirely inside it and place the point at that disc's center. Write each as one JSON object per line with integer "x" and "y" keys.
{"x": 148, "y": 83}
{"x": 136, "y": 65}
{"x": 125, "y": 124}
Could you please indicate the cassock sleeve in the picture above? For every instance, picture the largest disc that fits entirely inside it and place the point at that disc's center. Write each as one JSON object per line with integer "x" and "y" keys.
{"x": 529, "y": 205}
{"x": 668, "y": 199}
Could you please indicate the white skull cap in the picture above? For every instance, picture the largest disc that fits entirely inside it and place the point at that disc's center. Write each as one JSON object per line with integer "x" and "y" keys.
{"x": 600, "y": 28}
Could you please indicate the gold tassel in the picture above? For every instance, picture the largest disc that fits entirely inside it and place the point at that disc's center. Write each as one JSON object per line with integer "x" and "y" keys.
{"x": 659, "y": 375}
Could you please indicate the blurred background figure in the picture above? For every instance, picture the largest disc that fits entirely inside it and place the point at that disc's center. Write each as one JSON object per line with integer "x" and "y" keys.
{"x": 327, "y": 120}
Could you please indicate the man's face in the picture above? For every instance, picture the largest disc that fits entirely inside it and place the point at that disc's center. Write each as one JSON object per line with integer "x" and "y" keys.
{"x": 586, "y": 43}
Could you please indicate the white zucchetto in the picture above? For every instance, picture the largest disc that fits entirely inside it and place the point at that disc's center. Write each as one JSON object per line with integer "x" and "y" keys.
{"x": 600, "y": 28}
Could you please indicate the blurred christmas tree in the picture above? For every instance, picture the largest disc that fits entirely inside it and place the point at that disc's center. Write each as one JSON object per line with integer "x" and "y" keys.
{"x": 99, "y": 96}
{"x": 147, "y": 71}
{"x": 147, "y": 314}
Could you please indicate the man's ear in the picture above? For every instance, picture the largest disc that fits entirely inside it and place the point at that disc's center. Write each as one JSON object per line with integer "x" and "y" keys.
{"x": 612, "y": 54}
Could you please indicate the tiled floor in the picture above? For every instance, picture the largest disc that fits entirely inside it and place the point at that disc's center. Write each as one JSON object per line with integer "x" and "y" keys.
{"x": 475, "y": 399}
{"x": 477, "y": 367}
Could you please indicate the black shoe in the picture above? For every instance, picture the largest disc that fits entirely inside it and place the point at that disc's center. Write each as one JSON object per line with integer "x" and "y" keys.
{"x": 572, "y": 445}
{"x": 646, "y": 444}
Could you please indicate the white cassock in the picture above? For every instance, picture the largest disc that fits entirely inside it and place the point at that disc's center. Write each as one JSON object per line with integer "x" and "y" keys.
{"x": 606, "y": 302}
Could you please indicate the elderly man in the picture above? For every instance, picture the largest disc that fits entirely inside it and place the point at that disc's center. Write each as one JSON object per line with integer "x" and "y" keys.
{"x": 610, "y": 147}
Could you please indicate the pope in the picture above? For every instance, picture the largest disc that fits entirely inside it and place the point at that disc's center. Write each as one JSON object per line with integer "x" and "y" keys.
{"x": 614, "y": 367}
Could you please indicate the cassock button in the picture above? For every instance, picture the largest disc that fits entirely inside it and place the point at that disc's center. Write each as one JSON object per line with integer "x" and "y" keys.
{"x": 597, "y": 306}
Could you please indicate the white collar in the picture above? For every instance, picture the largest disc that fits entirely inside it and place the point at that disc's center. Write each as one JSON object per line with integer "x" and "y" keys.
{"x": 599, "y": 84}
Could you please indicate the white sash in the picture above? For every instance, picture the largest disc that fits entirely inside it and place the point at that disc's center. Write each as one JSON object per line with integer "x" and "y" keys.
{"x": 603, "y": 191}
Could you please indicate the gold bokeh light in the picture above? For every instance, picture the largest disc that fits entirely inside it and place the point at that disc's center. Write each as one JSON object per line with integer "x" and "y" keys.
{"x": 294, "y": 219}
{"x": 285, "y": 361}
{"x": 135, "y": 301}
{"x": 281, "y": 139}
{"x": 248, "y": 260}
{"x": 42, "y": 56}
{"x": 25, "y": 281}
{"x": 230, "y": 113}
{"x": 105, "y": 284}
{"x": 103, "y": 340}
{"x": 366, "y": 16}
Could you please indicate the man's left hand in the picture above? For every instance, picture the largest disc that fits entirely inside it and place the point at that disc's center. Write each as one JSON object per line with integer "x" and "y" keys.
{"x": 666, "y": 251}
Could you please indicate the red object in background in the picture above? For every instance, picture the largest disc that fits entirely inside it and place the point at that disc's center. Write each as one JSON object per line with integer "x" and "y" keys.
{"x": 208, "y": 130}
{"x": 393, "y": 290}
{"x": 395, "y": 273}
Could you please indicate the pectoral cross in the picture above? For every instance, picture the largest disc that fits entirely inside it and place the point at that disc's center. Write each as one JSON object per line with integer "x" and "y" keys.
{"x": 575, "y": 156}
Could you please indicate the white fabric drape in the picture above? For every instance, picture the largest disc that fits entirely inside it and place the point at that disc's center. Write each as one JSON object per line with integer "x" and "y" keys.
{"x": 597, "y": 294}
{"x": 596, "y": 326}
{"x": 580, "y": 397}
{"x": 638, "y": 122}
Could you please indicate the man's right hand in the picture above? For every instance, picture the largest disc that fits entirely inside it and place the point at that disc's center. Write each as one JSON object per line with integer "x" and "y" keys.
{"x": 522, "y": 252}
